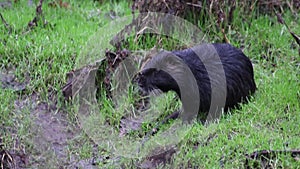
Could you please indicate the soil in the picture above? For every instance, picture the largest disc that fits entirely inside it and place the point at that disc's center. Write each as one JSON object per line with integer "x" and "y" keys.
{"x": 50, "y": 134}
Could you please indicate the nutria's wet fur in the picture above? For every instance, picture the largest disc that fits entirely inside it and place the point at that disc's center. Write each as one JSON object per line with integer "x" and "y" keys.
{"x": 237, "y": 67}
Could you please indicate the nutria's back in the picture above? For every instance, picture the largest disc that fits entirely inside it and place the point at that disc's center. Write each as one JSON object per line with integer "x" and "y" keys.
{"x": 237, "y": 67}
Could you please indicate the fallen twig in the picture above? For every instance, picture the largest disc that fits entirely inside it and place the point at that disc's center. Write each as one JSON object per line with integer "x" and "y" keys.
{"x": 39, "y": 14}
{"x": 195, "y": 5}
{"x": 281, "y": 21}
{"x": 265, "y": 156}
{"x": 224, "y": 36}
{"x": 7, "y": 26}
{"x": 6, "y": 160}
{"x": 160, "y": 157}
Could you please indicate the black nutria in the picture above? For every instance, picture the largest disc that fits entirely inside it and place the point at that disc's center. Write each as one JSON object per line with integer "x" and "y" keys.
{"x": 202, "y": 68}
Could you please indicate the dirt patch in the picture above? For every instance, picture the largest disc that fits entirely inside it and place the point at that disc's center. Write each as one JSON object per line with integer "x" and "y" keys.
{"x": 53, "y": 133}
{"x": 9, "y": 81}
{"x": 50, "y": 135}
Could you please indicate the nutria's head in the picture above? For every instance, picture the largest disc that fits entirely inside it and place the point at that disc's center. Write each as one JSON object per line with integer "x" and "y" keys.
{"x": 152, "y": 80}
{"x": 159, "y": 74}
{"x": 144, "y": 79}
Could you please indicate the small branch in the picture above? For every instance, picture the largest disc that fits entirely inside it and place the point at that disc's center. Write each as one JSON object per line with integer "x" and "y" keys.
{"x": 7, "y": 26}
{"x": 266, "y": 155}
{"x": 281, "y": 21}
{"x": 194, "y": 5}
{"x": 39, "y": 15}
{"x": 224, "y": 36}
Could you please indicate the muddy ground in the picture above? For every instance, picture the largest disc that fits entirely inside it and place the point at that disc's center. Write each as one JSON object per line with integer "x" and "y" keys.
{"x": 48, "y": 139}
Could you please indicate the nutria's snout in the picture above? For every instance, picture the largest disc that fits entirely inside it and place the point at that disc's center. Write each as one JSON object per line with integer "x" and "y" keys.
{"x": 140, "y": 81}
{"x": 135, "y": 78}
{"x": 147, "y": 82}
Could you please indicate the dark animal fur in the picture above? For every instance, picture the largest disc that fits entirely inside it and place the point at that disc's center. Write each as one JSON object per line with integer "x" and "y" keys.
{"x": 237, "y": 67}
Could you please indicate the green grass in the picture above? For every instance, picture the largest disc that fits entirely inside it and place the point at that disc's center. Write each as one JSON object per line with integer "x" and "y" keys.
{"x": 269, "y": 121}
